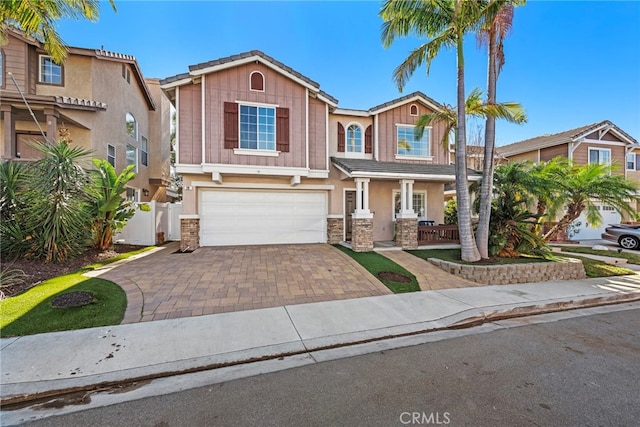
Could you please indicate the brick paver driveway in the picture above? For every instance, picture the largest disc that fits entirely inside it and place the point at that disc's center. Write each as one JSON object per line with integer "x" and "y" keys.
{"x": 166, "y": 284}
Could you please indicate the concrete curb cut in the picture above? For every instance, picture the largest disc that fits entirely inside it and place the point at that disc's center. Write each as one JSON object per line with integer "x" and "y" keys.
{"x": 25, "y": 394}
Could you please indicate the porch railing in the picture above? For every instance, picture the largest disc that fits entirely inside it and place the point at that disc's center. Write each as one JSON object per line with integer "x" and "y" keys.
{"x": 435, "y": 234}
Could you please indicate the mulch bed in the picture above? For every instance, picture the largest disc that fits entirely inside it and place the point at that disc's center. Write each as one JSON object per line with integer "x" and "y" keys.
{"x": 72, "y": 299}
{"x": 38, "y": 271}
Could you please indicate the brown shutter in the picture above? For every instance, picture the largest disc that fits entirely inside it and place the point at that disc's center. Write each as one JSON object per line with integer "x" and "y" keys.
{"x": 341, "y": 138}
{"x": 368, "y": 140}
{"x": 230, "y": 125}
{"x": 282, "y": 129}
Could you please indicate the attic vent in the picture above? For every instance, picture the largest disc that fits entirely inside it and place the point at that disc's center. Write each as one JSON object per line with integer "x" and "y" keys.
{"x": 256, "y": 81}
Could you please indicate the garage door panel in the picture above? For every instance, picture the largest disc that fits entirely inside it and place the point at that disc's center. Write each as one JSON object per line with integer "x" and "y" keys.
{"x": 262, "y": 217}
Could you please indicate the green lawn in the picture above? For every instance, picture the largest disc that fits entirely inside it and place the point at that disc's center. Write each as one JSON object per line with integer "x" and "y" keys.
{"x": 632, "y": 258}
{"x": 595, "y": 268}
{"x": 31, "y": 312}
{"x": 376, "y": 263}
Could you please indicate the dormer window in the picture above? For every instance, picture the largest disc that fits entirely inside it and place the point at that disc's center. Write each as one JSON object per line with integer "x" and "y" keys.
{"x": 413, "y": 110}
{"x": 256, "y": 81}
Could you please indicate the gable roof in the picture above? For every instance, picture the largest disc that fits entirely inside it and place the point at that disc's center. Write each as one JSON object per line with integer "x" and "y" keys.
{"x": 396, "y": 170}
{"x": 564, "y": 137}
{"x": 243, "y": 58}
{"x": 415, "y": 96}
{"x": 98, "y": 54}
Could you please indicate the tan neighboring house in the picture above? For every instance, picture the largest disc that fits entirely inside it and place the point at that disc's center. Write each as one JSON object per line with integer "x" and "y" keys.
{"x": 601, "y": 142}
{"x": 101, "y": 97}
{"x": 268, "y": 157}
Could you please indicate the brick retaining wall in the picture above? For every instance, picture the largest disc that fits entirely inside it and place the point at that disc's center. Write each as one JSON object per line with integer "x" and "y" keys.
{"x": 514, "y": 273}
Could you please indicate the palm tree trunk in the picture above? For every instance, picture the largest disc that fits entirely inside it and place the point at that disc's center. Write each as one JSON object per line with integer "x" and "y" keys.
{"x": 469, "y": 250}
{"x": 486, "y": 188}
{"x": 573, "y": 212}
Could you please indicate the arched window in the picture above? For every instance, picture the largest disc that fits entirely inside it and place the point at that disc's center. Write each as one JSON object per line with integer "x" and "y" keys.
{"x": 132, "y": 126}
{"x": 256, "y": 81}
{"x": 413, "y": 110}
{"x": 354, "y": 139}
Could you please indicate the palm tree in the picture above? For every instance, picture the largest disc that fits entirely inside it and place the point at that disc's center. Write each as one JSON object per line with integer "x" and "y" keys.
{"x": 492, "y": 34}
{"x": 37, "y": 19}
{"x": 444, "y": 23}
{"x": 580, "y": 186}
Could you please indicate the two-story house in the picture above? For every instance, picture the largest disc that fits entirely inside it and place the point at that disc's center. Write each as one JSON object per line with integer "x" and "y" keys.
{"x": 102, "y": 99}
{"x": 601, "y": 142}
{"x": 268, "y": 157}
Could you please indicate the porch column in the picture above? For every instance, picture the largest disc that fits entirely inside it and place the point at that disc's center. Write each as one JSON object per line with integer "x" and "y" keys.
{"x": 407, "y": 219}
{"x": 51, "y": 116}
{"x": 362, "y": 219}
{"x": 8, "y": 132}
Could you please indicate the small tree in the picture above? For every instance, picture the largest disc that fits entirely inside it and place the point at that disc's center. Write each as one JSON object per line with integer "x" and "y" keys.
{"x": 110, "y": 210}
{"x": 451, "y": 212}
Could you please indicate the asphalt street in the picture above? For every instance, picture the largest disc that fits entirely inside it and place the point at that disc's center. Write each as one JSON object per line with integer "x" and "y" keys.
{"x": 579, "y": 371}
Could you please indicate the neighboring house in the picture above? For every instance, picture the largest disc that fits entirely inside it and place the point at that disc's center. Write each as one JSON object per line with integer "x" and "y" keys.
{"x": 601, "y": 142}
{"x": 268, "y": 157}
{"x": 101, "y": 97}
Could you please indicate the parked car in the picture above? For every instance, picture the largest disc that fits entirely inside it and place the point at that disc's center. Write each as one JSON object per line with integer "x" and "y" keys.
{"x": 627, "y": 236}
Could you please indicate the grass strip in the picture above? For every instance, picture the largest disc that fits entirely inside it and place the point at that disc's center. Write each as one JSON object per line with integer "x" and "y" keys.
{"x": 631, "y": 258}
{"x": 453, "y": 255}
{"x": 31, "y": 312}
{"x": 375, "y": 263}
{"x": 595, "y": 268}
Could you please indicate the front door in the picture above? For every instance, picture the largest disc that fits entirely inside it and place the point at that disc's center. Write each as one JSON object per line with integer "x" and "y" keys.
{"x": 349, "y": 208}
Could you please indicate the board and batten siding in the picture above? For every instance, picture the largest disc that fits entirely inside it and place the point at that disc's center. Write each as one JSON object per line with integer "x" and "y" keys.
{"x": 387, "y": 134}
{"x": 317, "y": 134}
{"x": 190, "y": 116}
{"x": 232, "y": 85}
{"x": 618, "y": 156}
{"x": 15, "y": 61}
{"x": 549, "y": 153}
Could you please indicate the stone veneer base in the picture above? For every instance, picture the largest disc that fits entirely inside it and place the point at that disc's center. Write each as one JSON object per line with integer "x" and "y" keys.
{"x": 189, "y": 234}
{"x": 335, "y": 230}
{"x": 362, "y": 234}
{"x": 514, "y": 273}
{"x": 407, "y": 233}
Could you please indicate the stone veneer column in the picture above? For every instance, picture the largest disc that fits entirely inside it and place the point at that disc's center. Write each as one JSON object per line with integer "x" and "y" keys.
{"x": 335, "y": 229}
{"x": 407, "y": 232}
{"x": 189, "y": 233}
{"x": 362, "y": 233}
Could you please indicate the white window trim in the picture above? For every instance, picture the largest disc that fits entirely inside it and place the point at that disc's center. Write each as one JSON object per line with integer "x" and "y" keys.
{"x": 626, "y": 161}
{"x": 115, "y": 157}
{"x": 40, "y": 71}
{"x": 393, "y": 203}
{"x": 142, "y": 150}
{"x": 251, "y": 151}
{"x": 598, "y": 149}
{"x": 354, "y": 154}
{"x": 264, "y": 82}
{"x": 136, "y": 159}
{"x": 403, "y": 156}
{"x": 137, "y": 192}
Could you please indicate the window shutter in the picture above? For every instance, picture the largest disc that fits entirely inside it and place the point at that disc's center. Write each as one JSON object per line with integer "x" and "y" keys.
{"x": 282, "y": 129}
{"x": 341, "y": 138}
{"x": 368, "y": 140}
{"x": 638, "y": 162}
{"x": 230, "y": 125}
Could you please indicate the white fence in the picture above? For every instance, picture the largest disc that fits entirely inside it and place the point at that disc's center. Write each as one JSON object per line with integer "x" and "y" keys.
{"x": 145, "y": 227}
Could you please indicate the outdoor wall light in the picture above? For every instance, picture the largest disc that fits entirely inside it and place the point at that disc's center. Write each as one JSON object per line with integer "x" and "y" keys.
{"x": 145, "y": 192}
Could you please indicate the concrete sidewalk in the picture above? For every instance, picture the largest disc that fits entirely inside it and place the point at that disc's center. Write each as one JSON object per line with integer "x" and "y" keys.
{"x": 47, "y": 364}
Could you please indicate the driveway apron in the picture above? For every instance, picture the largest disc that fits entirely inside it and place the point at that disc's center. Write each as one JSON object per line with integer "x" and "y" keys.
{"x": 168, "y": 284}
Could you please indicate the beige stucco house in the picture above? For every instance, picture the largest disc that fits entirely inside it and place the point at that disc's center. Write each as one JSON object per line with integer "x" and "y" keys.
{"x": 601, "y": 142}
{"x": 101, "y": 97}
{"x": 268, "y": 157}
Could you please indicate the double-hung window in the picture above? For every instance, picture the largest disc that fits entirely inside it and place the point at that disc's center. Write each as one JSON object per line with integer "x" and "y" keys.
{"x": 631, "y": 161}
{"x": 409, "y": 145}
{"x": 111, "y": 155}
{"x": 49, "y": 72}
{"x": 600, "y": 156}
{"x": 419, "y": 203}
{"x": 144, "y": 151}
{"x": 132, "y": 157}
{"x": 257, "y": 128}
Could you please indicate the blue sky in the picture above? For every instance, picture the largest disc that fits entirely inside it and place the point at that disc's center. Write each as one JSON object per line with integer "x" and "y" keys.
{"x": 569, "y": 63}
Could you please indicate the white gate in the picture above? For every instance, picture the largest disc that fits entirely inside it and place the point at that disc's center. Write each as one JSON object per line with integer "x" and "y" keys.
{"x": 161, "y": 222}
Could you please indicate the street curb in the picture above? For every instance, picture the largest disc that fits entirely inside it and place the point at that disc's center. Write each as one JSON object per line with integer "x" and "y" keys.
{"x": 17, "y": 395}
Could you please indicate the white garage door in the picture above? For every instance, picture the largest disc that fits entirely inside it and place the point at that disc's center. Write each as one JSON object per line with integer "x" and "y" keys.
{"x": 262, "y": 217}
{"x": 585, "y": 231}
